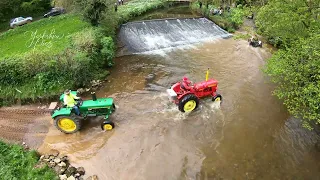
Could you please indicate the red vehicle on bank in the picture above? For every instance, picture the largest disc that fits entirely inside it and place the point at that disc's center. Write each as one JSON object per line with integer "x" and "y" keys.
{"x": 186, "y": 95}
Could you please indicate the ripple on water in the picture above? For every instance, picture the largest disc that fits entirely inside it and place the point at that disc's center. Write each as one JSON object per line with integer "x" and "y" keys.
{"x": 247, "y": 137}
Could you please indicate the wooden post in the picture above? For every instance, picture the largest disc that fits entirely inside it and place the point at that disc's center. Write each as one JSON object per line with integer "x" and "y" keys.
{"x": 19, "y": 98}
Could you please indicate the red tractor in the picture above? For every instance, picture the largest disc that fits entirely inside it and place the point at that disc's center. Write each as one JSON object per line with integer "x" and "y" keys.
{"x": 187, "y": 96}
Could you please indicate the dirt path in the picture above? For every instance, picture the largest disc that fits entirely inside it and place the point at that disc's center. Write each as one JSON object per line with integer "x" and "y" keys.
{"x": 27, "y": 124}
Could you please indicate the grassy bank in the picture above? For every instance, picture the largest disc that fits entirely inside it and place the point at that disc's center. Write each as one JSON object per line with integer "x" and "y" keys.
{"x": 136, "y": 8}
{"x": 228, "y": 20}
{"x": 16, "y": 163}
{"x": 46, "y": 34}
{"x": 65, "y": 52}
{"x": 41, "y": 59}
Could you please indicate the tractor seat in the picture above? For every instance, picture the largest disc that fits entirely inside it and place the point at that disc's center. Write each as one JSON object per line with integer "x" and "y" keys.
{"x": 183, "y": 86}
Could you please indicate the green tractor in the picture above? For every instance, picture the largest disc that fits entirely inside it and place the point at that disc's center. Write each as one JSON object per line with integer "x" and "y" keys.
{"x": 68, "y": 122}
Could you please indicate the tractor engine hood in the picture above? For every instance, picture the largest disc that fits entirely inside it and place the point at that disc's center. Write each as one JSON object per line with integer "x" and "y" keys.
{"x": 99, "y": 103}
{"x": 206, "y": 84}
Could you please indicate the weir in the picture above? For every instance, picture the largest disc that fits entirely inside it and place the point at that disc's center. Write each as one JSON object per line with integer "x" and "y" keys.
{"x": 143, "y": 36}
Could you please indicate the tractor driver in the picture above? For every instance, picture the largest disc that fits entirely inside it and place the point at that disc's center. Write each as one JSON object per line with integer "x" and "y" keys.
{"x": 253, "y": 38}
{"x": 69, "y": 101}
{"x": 186, "y": 84}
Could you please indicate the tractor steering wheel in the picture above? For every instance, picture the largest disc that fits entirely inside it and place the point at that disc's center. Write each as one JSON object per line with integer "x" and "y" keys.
{"x": 79, "y": 102}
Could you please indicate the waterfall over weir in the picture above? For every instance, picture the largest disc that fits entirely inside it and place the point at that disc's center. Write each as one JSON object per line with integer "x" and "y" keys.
{"x": 143, "y": 36}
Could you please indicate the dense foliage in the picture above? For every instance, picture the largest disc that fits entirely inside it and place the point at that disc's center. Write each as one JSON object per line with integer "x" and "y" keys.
{"x": 284, "y": 22}
{"x": 41, "y": 73}
{"x": 70, "y": 62}
{"x": 92, "y": 10}
{"x": 11, "y": 8}
{"x": 137, "y": 7}
{"x": 102, "y": 13}
{"x": 228, "y": 20}
{"x": 295, "y": 68}
{"x": 15, "y": 163}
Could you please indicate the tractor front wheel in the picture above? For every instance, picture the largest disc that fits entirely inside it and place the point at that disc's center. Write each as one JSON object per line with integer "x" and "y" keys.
{"x": 188, "y": 103}
{"x": 107, "y": 125}
{"x": 67, "y": 124}
{"x": 217, "y": 98}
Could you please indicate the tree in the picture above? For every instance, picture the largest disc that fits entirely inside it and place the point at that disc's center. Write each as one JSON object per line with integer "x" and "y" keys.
{"x": 284, "y": 21}
{"x": 93, "y": 10}
{"x": 12, "y": 8}
{"x": 296, "y": 71}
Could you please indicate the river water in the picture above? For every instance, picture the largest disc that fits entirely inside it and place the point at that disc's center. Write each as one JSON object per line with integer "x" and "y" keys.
{"x": 249, "y": 136}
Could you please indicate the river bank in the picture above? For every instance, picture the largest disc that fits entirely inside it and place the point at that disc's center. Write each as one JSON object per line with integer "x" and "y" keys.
{"x": 250, "y": 136}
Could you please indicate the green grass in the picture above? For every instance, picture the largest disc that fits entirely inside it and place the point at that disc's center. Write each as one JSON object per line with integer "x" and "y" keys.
{"x": 138, "y": 7}
{"x": 15, "y": 163}
{"x": 46, "y": 34}
{"x": 4, "y": 26}
{"x": 241, "y": 36}
{"x": 71, "y": 61}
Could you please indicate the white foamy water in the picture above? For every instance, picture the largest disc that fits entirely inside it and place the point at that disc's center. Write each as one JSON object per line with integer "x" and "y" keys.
{"x": 152, "y": 36}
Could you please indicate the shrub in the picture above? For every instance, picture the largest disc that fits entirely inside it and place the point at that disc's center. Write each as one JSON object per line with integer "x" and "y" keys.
{"x": 15, "y": 163}
{"x": 137, "y": 7}
{"x": 229, "y": 21}
{"x": 296, "y": 71}
{"x": 43, "y": 73}
{"x": 107, "y": 50}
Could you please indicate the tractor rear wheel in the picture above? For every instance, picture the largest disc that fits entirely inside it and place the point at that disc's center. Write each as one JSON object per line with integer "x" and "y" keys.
{"x": 67, "y": 124}
{"x": 217, "y": 98}
{"x": 107, "y": 125}
{"x": 188, "y": 103}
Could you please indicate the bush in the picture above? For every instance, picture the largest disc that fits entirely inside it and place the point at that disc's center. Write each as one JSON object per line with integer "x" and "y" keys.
{"x": 107, "y": 50}
{"x": 15, "y": 163}
{"x": 42, "y": 74}
{"x": 16, "y": 8}
{"x": 296, "y": 71}
{"x": 285, "y": 22}
{"x": 236, "y": 16}
{"x": 137, "y": 7}
{"x": 109, "y": 23}
{"x": 39, "y": 73}
{"x": 229, "y": 21}
{"x": 93, "y": 10}
{"x": 35, "y": 6}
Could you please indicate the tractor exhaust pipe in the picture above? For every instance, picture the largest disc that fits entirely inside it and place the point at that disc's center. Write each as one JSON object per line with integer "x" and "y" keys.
{"x": 93, "y": 95}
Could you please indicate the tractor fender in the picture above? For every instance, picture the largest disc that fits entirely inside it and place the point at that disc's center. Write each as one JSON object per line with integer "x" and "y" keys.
{"x": 62, "y": 111}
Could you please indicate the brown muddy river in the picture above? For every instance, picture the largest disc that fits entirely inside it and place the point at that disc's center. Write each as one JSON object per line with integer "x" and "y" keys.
{"x": 250, "y": 136}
